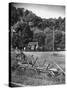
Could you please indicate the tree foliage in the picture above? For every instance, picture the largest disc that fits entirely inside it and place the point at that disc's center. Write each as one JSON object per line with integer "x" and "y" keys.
{"x": 24, "y": 33}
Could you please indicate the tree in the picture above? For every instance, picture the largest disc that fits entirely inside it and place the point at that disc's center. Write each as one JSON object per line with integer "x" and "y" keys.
{"x": 40, "y": 37}
{"x": 23, "y": 36}
{"x": 13, "y": 15}
{"x": 17, "y": 42}
{"x": 58, "y": 38}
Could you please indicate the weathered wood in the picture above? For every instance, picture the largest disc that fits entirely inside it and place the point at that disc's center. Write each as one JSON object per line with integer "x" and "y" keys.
{"x": 59, "y": 67}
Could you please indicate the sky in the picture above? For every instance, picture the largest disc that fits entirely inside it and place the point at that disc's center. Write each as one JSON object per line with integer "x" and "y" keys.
{"x": 43, "y": 10}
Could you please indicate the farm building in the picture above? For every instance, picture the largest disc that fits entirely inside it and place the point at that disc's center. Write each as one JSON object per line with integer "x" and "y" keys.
{"x": 33, "y": 45}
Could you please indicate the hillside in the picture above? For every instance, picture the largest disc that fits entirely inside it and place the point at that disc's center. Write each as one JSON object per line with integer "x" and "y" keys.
{"x": 21, "y": 17}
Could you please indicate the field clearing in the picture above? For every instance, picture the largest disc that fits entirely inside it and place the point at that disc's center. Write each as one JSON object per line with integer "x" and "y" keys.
{"x": 58, "y": 58}
{"x": 31, "y": 77}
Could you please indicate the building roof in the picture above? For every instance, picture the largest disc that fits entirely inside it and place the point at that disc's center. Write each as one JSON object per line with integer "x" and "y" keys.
{"x": 32, "y": 43}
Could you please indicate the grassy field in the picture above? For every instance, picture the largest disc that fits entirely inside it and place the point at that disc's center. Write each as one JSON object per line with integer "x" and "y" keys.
{"x": 30, "y": 77}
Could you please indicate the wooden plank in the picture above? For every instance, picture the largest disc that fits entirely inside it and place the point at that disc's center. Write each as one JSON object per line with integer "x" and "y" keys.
{"x": 59, "y": 67}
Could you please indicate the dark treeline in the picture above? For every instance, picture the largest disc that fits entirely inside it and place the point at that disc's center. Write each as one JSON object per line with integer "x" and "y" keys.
{"x": 27, "y": 27}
